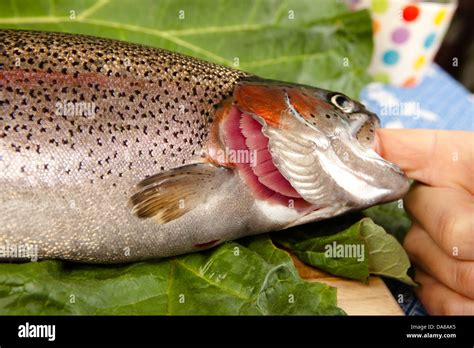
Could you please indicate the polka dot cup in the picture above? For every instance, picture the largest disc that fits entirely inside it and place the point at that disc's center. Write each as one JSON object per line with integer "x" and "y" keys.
{"x": 407, "y": 35}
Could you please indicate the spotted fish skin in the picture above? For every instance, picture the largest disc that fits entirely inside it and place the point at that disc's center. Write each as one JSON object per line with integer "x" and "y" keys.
{"x": 152, "y": 113}
{"x": 152, "y": 107}
{"x": 114, "y": 152}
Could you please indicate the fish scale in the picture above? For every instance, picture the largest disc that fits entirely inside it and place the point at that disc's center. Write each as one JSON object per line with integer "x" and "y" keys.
{"x": 152, "y": 107}
{"x": 140, "y": 170}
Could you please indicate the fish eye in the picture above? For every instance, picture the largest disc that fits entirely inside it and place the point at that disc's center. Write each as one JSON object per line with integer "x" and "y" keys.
{"x": 342, "y": 102}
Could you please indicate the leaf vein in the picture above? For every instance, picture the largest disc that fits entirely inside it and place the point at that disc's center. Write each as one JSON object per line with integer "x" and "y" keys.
{"x": 92, "y": 9}
{"x": 230, "y": 291}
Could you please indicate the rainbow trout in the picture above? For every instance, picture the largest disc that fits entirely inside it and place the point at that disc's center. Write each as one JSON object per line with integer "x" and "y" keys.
{"x": 116, "y": 152}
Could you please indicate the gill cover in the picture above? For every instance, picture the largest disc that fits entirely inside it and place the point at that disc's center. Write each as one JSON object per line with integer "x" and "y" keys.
{"x": 314, "y": 145}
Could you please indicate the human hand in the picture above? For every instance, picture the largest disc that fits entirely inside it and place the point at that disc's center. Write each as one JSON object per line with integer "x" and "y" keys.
{"x": 440, "y": 242}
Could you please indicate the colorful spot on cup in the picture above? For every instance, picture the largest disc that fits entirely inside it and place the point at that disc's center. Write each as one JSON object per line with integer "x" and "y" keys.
{"x": 379, "y": 6}
{"x": 409, "y": 82}
{"x": 439, "y": 17}
{"x": 391, "y": 57}
{"x": 410, "y": 13}
{"x": 375, "y": 26}
{"x": 430, "y": 39}
{"x": 419, "y": 62}
{"x": 381, "y": 77}
{"x": 400, "y": 35}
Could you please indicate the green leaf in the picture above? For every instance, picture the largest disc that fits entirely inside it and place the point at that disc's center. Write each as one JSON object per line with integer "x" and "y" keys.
{"x": 323, "y": 45}
{"x": 252, "y": 277}
{"x": 392, "y": 217}
{"x": 355, "y": 252}
{"x": 314, "y": 249}
{"x": 386, "y": 256}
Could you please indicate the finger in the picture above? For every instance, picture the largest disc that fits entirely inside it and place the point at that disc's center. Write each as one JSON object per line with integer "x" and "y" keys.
{"x": 439, "y": 299}
{"x": 447, "y": 215}
{"x": 434, "y": 157}
{"x": 456, "y": 274}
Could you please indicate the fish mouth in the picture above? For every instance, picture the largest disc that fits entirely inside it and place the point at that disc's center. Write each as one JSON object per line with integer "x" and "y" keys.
{"x": 244, "y": 139}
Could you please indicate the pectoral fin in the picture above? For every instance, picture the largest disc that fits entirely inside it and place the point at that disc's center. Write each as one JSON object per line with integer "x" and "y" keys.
{"x": 167, "y": 196}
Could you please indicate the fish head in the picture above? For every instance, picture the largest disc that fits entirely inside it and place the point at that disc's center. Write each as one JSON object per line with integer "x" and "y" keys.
{"x": 313, "y": 147}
